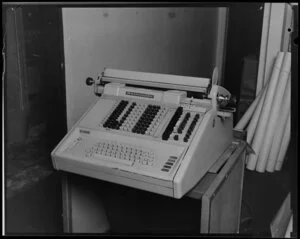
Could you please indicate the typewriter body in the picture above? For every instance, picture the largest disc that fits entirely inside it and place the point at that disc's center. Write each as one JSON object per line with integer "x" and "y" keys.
{"x": 145, "y": 132}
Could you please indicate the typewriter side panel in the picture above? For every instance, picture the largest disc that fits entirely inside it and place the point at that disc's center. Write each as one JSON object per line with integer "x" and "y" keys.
{"x": 212, "y": 139}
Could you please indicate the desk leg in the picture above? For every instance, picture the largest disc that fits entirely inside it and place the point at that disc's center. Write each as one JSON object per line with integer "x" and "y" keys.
{"x": 66, "y": 203}
{"x": 83, "y": 209}
{"x": 205, "y": 213}
{"x": 221, "y": 203}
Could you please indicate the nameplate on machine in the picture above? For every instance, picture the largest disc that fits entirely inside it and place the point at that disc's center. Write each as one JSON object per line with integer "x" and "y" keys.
{"x": 149, "y": 96}
{"x": 84, "y": 131}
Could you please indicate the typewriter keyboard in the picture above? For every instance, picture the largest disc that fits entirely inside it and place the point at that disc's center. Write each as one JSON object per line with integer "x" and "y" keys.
{"x": 135, "y": 117}
{"x": 120, "y": 152}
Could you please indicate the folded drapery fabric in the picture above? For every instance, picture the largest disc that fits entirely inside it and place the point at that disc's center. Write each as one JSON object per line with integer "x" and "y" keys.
{"x": 266, "y": 119}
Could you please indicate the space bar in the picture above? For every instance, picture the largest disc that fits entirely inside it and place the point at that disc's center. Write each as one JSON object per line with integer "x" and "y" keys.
{"x": 113, "y": 160}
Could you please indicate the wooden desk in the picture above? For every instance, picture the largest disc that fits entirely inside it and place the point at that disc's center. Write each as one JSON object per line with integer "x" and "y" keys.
{"x": 219, "y": 193}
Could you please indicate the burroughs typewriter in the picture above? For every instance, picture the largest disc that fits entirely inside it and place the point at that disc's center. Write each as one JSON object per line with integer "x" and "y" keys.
{"x": 155, "y": 132}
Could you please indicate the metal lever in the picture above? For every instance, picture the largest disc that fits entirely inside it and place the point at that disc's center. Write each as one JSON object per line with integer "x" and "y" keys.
{"x": 98, "y": 89}
{"x": 223, "y": 100}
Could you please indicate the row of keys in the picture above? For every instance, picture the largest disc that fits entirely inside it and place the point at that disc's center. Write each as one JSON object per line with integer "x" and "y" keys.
{"x": 191, "y": 128}
{"x": 169, "y": 164}
{"x": 133, "y": 117}
{"x": 184, "y": 122}
{"x": 172, "y": 123}
{"x": 156, "y": 121}
{"x": 136, "y": 118}
{"x": 112, "y": 122}
{"x": 123, "y": 152}
{"x": 146, "y": 119}
{"x": 129, "y": 124}
{"x": 127, "y": 113}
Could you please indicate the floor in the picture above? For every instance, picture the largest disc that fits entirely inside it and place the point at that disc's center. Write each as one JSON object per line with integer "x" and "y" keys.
{"x": 33, "y": 192}
{"x": 33, "y": 189}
